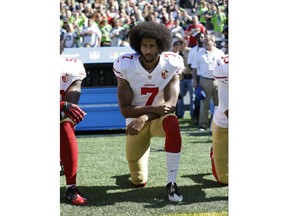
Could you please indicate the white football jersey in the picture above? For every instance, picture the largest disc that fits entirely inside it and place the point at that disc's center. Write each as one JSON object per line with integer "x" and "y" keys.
{"x": 220, "y": 74}
{"x": 71, "y": 69}
{"x": 148, "y": 87}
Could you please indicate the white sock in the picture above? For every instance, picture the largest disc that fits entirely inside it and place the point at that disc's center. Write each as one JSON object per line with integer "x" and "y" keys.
{"x": 172, "y": 166}
{"x": 67, "y": 186}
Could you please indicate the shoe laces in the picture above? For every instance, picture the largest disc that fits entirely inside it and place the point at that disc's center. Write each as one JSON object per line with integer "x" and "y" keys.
{"x": 173, "y": 189}
{"x": 72, "y": 192}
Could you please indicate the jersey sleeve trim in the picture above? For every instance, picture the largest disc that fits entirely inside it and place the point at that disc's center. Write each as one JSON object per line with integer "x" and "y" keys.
{"x": 117, "y": 73}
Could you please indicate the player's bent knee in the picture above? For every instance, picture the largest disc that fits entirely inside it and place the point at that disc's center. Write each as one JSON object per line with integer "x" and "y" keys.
{"x": 138, "y": 172}
{"x": 170, "y": 123}
{"x": 138, "y": 179}
{"x": 173, "y": 136}
{"x": 223, "y": 179}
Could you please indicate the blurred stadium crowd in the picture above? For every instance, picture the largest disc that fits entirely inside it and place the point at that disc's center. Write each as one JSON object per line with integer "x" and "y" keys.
{"x": 95, "y": 23}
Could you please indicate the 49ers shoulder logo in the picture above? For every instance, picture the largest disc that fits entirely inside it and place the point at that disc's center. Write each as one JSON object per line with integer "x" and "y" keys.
{"x": 164, "y": 74}
{"x": 65, "y": 77}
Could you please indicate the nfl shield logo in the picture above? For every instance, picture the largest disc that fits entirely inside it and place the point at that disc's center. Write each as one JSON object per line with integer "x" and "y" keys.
{"x": 94, "y": 55}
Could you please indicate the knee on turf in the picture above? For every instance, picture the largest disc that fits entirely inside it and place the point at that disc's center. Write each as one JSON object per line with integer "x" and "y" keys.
{"x": 223, "y": 179}
{"x": 138, "y": 179}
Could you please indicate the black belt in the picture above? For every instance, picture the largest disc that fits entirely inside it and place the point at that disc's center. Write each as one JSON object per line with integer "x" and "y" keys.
{"x": 187, "y": 76}
{"x": 207, "y": 78}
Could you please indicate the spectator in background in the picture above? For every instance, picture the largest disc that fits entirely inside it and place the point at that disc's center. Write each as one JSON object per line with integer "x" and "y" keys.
{"x": 170, "y": 23}
{"x": 64, "y": 25}
{"x": 225, "y": 33}
{"x": 91, "y": 34}
{"x": 114, "y": 5}
{"x": 97, "y": 16}
{"x": 105, "y": 30}
{"x": 69, "y": 18}
{"x": 185, "y": 4}
{"x": 113, "y": 11}
{"x": 88, "y": 10}
{"x": 202, "y": 8}
{"x": 62, "y": 11}
{"x": 157, "y": 5}
{"x": 176, "y": 47}
{"x": 110, "y": 18}
{"x": 69, "y": 36}
{"x": 131, "y": 25}
{"x": 163, "y": 14}
{"x": 218, "y": 21}
{"x": 177, "y": 32}
{"x": 191, "y": 61}
{"x": 141, "y": 4}
{"x": 156, "y": 10}
{"x": 185, "y": 83}
{"x": 98, "y": 3}
{"x": 81, "y": 6}
{"x": 208, "y": 16}
{"x": 184, "y": 18}
{"x": 157, "y": 18}
{"x": 193, "y": 30}
{"x": 125, "y": 19}
{"x": 138, "y": 16}
{"x": 127, "y": 6}
{"x": 205, "y": 63}
{"x": 224, "y": 6}
{"x": 71, "y": 5}
{"x": 80, "y": 20}
{"x": 150, "y": 17}
{"x": 117, "y": 33}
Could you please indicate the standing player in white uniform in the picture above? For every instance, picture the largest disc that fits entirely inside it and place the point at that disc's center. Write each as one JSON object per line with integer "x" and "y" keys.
{"x": 219, "y": 150}
{"x": 72, "y": 72}
{"x": 148, "y": 89}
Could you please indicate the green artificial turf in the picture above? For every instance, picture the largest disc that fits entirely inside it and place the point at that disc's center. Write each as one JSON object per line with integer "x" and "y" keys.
{"x": 103, "y": 177}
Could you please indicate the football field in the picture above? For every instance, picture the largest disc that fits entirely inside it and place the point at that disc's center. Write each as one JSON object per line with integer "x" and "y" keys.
{"x": 103, "y": 177}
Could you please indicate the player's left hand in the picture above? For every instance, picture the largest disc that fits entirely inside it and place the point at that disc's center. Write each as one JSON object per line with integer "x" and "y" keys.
{"x": 163, "y": 109}
{"x": 135, "y": 126}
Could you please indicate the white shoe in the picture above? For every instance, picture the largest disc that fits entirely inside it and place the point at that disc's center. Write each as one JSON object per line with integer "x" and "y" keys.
{"x": 173, "y": 192}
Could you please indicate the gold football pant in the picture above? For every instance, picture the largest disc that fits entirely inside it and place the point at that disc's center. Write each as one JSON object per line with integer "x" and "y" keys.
{"x": 219, "y": 154}
{"x": 138, "y": 149}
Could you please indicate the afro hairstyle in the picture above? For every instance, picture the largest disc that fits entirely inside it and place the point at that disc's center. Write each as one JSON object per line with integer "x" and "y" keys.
{"x": 153, "y": 30}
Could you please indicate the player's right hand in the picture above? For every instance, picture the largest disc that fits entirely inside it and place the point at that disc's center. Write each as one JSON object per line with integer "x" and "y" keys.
{"x": 73, "y": 111}
{"x": 135, "y": 126}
